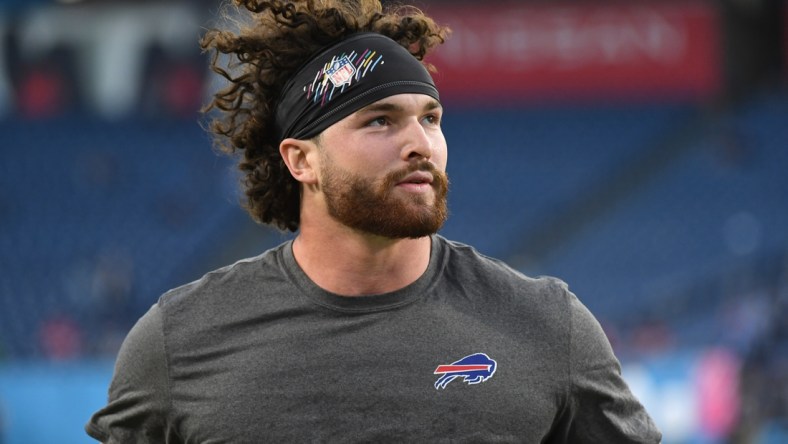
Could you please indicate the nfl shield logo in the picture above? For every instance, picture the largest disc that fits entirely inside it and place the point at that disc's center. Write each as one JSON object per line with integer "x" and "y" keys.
{"x": 341, "y": 72}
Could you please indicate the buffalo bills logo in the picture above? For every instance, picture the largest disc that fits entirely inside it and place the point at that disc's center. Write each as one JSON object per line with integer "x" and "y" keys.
{"x": 473, "y": 369}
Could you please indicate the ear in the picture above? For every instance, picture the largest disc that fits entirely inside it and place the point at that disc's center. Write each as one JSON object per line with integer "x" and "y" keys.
{"x": 297, "y": 155}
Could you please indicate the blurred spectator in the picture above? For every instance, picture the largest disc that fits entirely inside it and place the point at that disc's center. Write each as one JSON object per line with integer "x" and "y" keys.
{"x": 175, "y": 85}
{"x": 653, "y": 336}
{"x": 718, "y": 381}
{"x": 46, "y": 88}
{"x": 764, "y": 379}
{"x": 742, "y": 320}
{"x": 61, "y": 338}
{"x": 113, "y": 278}
{"x": 41, "y": 95}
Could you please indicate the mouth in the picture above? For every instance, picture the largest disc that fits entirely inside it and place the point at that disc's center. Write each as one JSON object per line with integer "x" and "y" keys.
{"x": 418, "y": 178}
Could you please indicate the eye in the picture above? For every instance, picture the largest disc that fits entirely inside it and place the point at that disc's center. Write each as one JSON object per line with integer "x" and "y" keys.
{"x": 432, "y": 119}
{"x": 378, "y": 121}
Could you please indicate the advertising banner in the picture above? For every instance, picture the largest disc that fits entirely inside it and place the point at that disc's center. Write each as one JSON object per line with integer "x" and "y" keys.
{"x": 645, "y": 49}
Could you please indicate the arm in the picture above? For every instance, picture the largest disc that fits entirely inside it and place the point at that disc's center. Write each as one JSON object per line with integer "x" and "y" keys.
{"x": 139, "y": 392}
{"x": 600, "y": 406}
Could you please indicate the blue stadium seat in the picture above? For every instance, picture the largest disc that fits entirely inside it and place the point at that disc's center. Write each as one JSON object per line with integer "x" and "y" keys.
{"x": 720, "y": 205}
{"x": 513, "y": 169}
{"x": 99, "y": 218}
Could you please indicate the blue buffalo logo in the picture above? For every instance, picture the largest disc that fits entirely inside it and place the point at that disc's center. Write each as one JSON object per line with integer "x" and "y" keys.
{"x": 473, "y": 369}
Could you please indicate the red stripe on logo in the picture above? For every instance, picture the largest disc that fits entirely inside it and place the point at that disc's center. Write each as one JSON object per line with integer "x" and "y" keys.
{"x": 460, "y": 368}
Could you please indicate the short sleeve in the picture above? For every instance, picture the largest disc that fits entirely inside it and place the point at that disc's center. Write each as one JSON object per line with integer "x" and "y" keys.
{"x": 139, "y": 392}
{"x": 601, "y": 408}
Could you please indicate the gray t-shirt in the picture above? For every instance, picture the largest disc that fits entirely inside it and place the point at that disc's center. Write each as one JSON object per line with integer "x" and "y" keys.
{"x": 472, "y": 351}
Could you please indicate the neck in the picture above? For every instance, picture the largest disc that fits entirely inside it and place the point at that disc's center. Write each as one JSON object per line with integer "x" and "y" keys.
{"x": 349, "y": 263}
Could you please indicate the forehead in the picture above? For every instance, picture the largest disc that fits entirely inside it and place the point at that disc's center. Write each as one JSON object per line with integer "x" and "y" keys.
{"x": 409, "y": 102}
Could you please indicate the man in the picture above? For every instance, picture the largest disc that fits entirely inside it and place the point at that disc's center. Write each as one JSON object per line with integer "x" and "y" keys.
{"x": 368, "y": 327}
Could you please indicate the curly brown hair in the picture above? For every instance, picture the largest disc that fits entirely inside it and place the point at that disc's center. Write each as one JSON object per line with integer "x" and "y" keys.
{"x": 264, "y": 53}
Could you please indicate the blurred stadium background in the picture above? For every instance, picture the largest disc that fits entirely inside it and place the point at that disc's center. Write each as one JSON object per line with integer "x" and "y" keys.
{"x": 636, "y": 149}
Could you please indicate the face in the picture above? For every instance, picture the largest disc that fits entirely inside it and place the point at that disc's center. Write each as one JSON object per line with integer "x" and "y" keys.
{"x": 382, "y": 169}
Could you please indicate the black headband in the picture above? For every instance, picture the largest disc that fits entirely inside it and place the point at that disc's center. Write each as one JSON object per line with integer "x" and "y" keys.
{"x": 344, "y": 78}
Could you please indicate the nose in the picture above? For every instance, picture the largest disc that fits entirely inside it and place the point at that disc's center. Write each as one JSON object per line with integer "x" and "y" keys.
{"x": 417, "y": 143}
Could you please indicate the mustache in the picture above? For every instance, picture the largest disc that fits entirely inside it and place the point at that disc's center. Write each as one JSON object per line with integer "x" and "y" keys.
{"x": 439, "y": 177}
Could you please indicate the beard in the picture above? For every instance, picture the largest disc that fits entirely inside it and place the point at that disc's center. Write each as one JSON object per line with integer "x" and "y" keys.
{"x": 374, "y": 208}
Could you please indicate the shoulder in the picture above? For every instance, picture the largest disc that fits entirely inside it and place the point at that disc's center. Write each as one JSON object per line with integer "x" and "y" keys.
{"x": 467, "y": 266}
{"x": 544, "y": 301}
{"x": 249, "y": 287}
{"x": 230, "y": 282}
{"x": 540, "y": 307}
